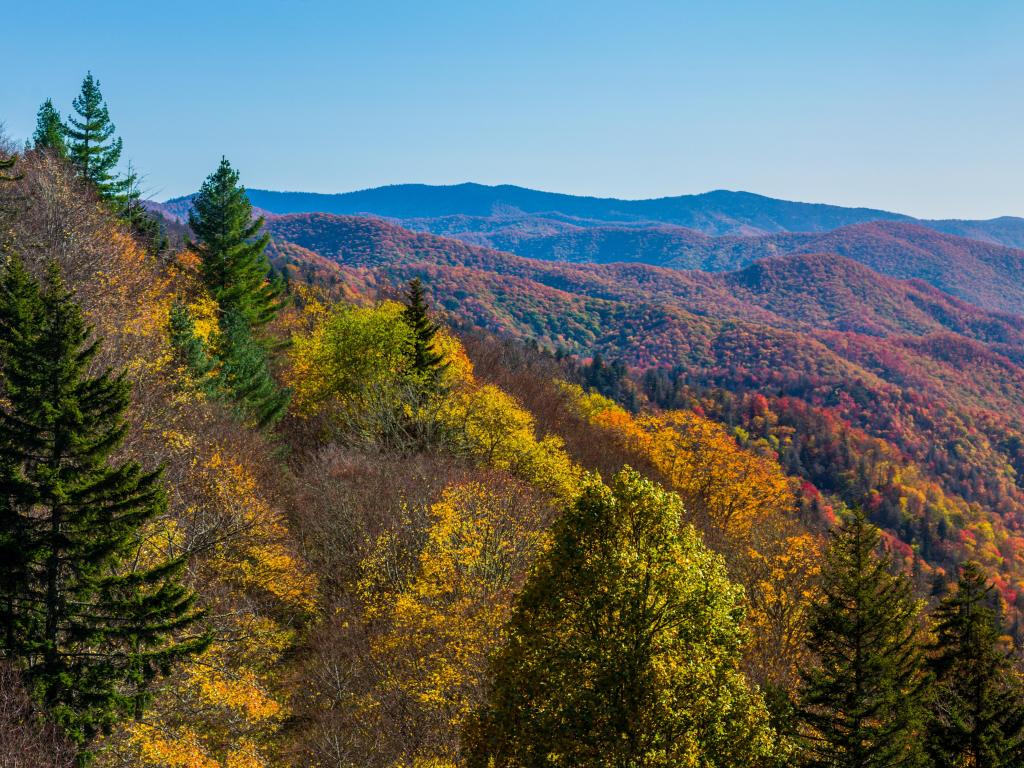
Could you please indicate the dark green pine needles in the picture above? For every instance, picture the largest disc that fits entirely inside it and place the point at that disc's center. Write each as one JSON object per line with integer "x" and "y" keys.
{"x": 234, "y": 265}
{"x": 426, "y": 360}
{"x": 92, "y": 146}
{"x": 237, "y": 273}
{"x": 49, "y": 133}
{"x": 89, "y": 616}
{"x": 862, "y": 706}
{"x": 978, "y": 706}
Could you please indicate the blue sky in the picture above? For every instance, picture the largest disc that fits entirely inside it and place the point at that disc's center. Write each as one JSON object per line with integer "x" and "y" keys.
{"x": 907, "y": 105}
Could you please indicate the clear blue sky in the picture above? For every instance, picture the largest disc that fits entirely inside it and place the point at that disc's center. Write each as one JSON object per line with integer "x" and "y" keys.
{"x": 910, "y": 105}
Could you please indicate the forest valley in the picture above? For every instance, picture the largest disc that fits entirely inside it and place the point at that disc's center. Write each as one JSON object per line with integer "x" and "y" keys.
{"x": 248, "y": 519}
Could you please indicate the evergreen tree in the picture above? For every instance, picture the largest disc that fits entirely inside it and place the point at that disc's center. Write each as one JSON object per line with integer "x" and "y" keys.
{"x": 143, "y": 224}
{"x": 426, "y": 361}
{"x": 91, "y": 143}
{"x": 89, "y": 622}
{"x": 862, "y": 705}
{"x": 49, "y": 134}
{"x": 191, "y": 350}
{"x": 233, "y": 263}
{"x": 243, "y": 374}
{"x": 978, "y": 708}
{"x": 624, "y": 648}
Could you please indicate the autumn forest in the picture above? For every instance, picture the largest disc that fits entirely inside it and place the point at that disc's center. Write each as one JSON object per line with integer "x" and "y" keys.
{"x": 450, "y": 487}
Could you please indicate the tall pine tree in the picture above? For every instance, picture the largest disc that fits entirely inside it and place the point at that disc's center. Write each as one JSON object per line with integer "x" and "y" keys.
{"x": 623, "y": 649}
{"x": 92, "y": 146}
{"x": 862, "y": 706}
{"x": 233, "y": 262}
{"x": 978, "y": 710}
{"x": 89, "y": 620}
{"x": 49, "y": 133}
{"x": 426, "y": 360}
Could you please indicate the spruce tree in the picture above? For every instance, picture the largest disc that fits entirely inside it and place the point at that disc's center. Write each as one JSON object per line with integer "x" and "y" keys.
{"x": 190, "y": 349}
{"x": 623, "y": 649}
{"x": 978, "y": 709}
{"x": 243, "y": 374}
{"x": 49, "y": 133}
{"x": 426, "y": 360}
{"x": 89, "y": 622}
{"x": 233, "y": 262}
{"x": 92, "y": 146}
{"x": 143, "y": 224}
{"x": 862, "y": 706}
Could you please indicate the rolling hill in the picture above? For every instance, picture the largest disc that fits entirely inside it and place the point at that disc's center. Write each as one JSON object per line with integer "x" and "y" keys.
{"x": 885, "y": 392}
{"x": 719, "y": 231}
{"x": 989, "y": 275}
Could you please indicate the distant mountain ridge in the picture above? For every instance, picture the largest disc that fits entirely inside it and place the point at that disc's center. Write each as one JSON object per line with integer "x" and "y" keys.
{"x": 716, "y": 213}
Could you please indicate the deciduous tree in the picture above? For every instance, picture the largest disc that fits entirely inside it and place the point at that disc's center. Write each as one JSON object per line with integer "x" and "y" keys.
{"x": 623, "y": 648}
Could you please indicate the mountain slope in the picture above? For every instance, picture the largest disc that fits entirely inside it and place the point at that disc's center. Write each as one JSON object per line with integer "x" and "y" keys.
{"x": 722, "y": 212}
{"x": 984, "y": 273}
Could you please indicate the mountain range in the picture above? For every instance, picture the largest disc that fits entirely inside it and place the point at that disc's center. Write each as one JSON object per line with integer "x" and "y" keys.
{"x": 977, "y": 261}
{"x": 887, "y": 352}
{"x": 469, "y": 208}
{"x": 936, "y": 379}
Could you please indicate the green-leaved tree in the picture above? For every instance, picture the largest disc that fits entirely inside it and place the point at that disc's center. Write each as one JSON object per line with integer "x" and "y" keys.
{"x": 91, "y": 615}
{"x": 978, "y": 707}
{"x": 624, "y": 648}
{"x": 862, "y": 705}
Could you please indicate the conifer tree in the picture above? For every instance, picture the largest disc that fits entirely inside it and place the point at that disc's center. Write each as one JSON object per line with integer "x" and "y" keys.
{"x": 426, "y": 361}
{"x": 191, "y": 350}
{"x": 143, "y": 223}
{"x": 231, "y": 249}
{"x": 862, "y": 706}
{"x": 89, "y": 621}
{"x": 92, "y": 146}
{"x": 243, "y": 374}
{"x": 49, "y": 133}
{"x": 978, "y": 709}
{"x": 623, "y": 648}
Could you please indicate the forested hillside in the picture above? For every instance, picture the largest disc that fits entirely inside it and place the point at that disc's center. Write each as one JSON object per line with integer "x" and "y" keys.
{"x": 321, "y": 491}
{"x": 927, "y": 387}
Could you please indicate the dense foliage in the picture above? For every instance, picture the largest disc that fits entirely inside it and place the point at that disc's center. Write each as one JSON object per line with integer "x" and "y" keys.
{"x": 391, "y": 530}
{"x": 623, "y": 648}
{"x": 884, "y": 394}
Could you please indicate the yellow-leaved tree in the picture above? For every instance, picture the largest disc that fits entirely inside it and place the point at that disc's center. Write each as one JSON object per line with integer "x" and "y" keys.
{"x": 744, "y": 506}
